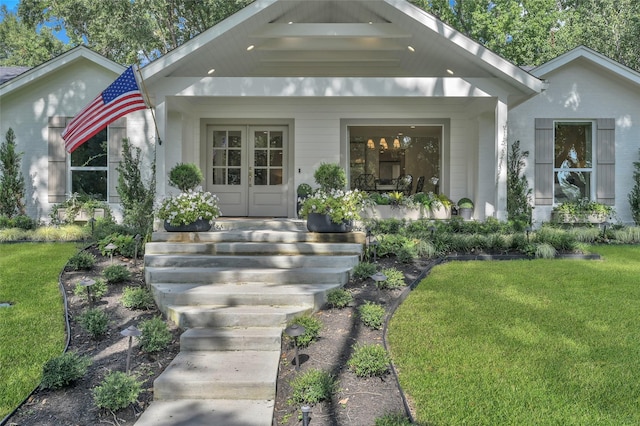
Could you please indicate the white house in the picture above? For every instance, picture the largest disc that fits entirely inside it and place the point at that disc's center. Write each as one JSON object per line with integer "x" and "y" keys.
{"x": 380, "y": 86}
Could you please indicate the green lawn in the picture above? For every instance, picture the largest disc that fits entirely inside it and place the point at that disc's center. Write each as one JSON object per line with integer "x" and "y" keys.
{"x": 535, "y": 342}
{"x": 32, "y": 330}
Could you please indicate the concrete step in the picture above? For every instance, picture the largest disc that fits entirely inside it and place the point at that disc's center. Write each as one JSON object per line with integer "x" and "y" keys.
{"x": 208, "y": 412}
{"x": 312, "y": 295}
{"x": 231, "y": 339}
{"x": 219, "y": 375}
{"x": 276, "y": 261}
{"x": 274, "y": 224}
{"x": 233, "y": 316}
{"x": 240, "y": 275}
{"x": 260, "y": 248}
{"x": 257, "y": 236}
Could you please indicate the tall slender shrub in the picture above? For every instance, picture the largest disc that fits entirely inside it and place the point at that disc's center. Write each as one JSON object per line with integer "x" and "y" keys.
{"x": 518, "y": 191}
{"x": 11, "y": 178}
{"x": 136, "y": 196}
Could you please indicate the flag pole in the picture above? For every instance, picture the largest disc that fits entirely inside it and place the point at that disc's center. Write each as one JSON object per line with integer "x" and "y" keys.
{"x": 146, "y": 94}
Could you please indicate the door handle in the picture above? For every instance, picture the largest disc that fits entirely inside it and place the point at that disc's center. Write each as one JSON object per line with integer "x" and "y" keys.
{"x": 250, "y": 176}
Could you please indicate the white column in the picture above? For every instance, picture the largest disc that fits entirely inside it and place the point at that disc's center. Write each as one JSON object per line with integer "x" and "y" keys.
{"x": 501, "y": 151}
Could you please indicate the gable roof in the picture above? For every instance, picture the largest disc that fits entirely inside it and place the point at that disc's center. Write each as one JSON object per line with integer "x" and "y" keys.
{"x": 336, "y": 38}
{"x": 59, "y": 62}
{"x": 584, "y": 53}
{"x": 7, "y": 73}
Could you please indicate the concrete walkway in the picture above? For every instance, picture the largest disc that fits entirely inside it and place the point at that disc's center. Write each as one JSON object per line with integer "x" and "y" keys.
{"x": 233, "y": 290}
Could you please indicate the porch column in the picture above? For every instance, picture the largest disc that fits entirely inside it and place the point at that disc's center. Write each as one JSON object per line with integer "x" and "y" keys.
{"x": 501, "y": 147}
{"x": 161, "y": 170}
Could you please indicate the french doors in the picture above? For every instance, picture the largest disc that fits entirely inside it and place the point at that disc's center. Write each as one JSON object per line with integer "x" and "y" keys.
{"x": 247, "y": 169}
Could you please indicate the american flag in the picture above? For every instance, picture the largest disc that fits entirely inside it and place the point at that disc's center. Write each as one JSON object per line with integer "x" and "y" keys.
{"x": 119, "y": 99}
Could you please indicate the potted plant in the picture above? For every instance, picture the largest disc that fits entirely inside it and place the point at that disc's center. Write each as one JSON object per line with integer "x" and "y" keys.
{"x": 192, "y": 210}
{"x": 581, "y": 211}
{"x": 303, "y": 191}
{"x": 465, "y": 208}
{"x": 331, "y": 208}
{"x": 440, "y": 207}
{"x": 392, "y": 205}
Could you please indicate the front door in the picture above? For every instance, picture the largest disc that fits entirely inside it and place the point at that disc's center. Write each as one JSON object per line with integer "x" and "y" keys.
{"x": 247, "y": 169}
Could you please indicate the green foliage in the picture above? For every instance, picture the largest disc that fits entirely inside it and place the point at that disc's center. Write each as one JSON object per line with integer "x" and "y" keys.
{"x": 545, "y": 251}
{"x": 72, "y": 207}
{"x": 185, "y": 176}
{"x": 339, "y": 298}
{"x": 395, "y": 279}
{"x": 137, "y": 298}
{"x": 125, "y": 245}
{"x": 312, "y": 386}
{"x": 63, "y": 370}
{"x": 116, "y": 391}
{"x": 304, "y": 190}
{"x": 83, "y": 260}
{"x": 95, "y": 321}
{"x": 136, "y": 196}
{"x": 312, "y": 327}
{"x": 518, "y": 192}
{"x": 369, "y": 360}
{"x": 98, "y": 290}
{"x": 155, "y": 335}
{"x": 364, "y": 270}
{"x": 116, "y": 274}
{"x": 465, "y": 203}
{"x": 372, "y": 315}
{"x": 11, "y": 179}
{"x": 330, "y": 177}
{"x": 18, "y": 221}
{"x": 393, "y": 419}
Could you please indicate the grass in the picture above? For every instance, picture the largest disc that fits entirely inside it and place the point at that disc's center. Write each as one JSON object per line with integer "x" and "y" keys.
{"x": 31, "y": 331}
{"x": 524, "y": 342}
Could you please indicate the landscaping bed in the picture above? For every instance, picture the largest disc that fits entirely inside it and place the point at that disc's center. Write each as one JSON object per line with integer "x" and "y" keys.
{"x": 358, "y": 401}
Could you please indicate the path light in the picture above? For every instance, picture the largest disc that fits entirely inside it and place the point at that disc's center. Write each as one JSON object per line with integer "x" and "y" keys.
{"x": 87, "y": 283}
{"x": 130, "y": 332}
{"x": 378, "y": 277}
{"x": 372, "y": 243}
{"x": 528, "y": 231}
{"x": 135, "y": 253}
{"x": 110, "y": 248}
{"x": 295, "y": 330}
{"x": 604, "y": 225}
{"x": 92, "y": 222}
{"x": 433, "y": 231}
{"x": 305, "y": 415}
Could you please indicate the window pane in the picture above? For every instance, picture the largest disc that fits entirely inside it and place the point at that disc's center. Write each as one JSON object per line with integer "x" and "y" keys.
{"x": 275, "y": 157}
{"x": 234, "y": 177}
{"x": 218, "y": 176}
{"x": 260, "y": 158}
{"x": 276, "y": 140}
{"x": 275, "y": 177}
{"x": 573, "y": 142}
{"x": 91, "y": 183}
{"x": 92, "y": 153}
{"x": 219, "y": 157}
{"x": 220, "y": 139}
{"x": 571, "y": 186}
{"x": 260, "y": 177}
{"x": 260, "y": 140}
{"x": 235, "y": 141}
{"x": 235, "y": 158}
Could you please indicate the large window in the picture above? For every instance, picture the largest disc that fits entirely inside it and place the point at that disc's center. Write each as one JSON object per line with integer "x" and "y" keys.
{"x": 381, "y": 157}
{"x": 89, "y": 168}
{"x": 573, "y": 162}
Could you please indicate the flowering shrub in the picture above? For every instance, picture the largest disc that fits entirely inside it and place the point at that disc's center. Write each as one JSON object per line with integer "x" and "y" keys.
{"x": 338, "y": 204}
{"x": 187, "y": 207}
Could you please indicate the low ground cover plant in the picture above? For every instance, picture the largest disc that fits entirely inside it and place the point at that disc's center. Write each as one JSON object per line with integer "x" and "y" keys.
{"x": 63, "y": 370}
{"x": 118, "y": 390}
{"x": 339, "y": 298}
{"x": 369, "y": 360}
{"x": 95, "y": 321}
{"x": 137, "y": 298}
{"x": 116, "y": 274}
{"x": 312, "y": 386}
{"x": 372, "y": 315}
{"x": 155, "y": 335}
{"x": 312, "y": 327}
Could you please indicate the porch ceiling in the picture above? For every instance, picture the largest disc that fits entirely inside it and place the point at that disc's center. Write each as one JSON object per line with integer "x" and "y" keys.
{"x": 330, "y": 38}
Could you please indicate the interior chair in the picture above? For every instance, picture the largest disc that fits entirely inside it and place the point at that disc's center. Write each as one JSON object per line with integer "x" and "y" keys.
{"x": 404, "y": 184}
{"x": 366, "y": 182}
{"x": 420, "y": 184}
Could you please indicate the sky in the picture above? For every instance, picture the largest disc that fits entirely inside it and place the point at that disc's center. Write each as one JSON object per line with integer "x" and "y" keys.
{"x": 11, "y": 4}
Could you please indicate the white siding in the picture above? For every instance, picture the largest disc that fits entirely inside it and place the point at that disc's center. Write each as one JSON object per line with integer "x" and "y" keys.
{"x": 583, "y": 90}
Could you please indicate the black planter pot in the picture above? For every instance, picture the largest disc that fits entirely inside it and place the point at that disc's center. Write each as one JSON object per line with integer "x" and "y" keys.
{"x": 318, "y": 222}
{"x": 200, "y": 225}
